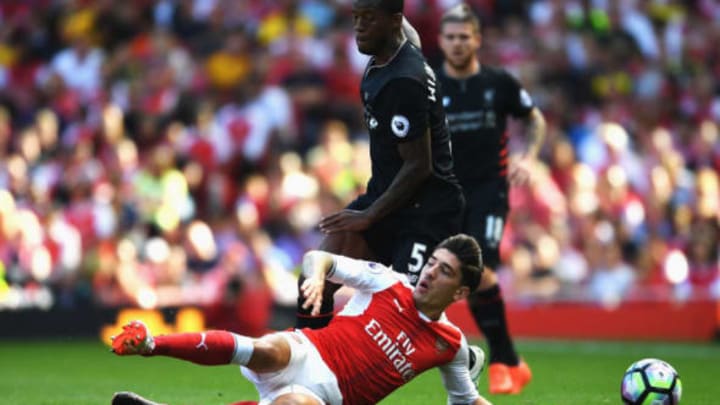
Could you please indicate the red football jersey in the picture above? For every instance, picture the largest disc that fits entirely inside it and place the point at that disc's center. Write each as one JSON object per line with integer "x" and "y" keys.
{"x": 380, "y": 341}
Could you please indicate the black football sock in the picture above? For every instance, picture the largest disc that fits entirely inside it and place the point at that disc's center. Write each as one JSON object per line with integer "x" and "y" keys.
{"x": 305, "y": 320}
{"x": 488, "y": 309}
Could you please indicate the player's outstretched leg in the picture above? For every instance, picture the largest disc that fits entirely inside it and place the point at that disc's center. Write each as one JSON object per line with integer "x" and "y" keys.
{"x": 130, "y": 398}
{"x": 267, "y": 354}
{"x": 135, "y": 338}
{"x": 212, "y": 347}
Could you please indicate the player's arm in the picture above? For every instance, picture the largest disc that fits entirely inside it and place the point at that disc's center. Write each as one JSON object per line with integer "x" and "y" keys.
{"x": 416, "y": 168}
{"x": 456, "y": 379}
{"x": 537, "y": 128}
{"x": 521, "y": 168}
{"x": 319, "y": 266}
{"x": 522, "y": 106}
{"x": 407, "y": 115}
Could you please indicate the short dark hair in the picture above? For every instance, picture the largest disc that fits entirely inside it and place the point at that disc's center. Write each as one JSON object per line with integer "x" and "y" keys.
{"x": 469, "y": 253}
{"x": 461, "y": 13}
{"x": 393, "y": 6}
{"x": 389, "y": 6}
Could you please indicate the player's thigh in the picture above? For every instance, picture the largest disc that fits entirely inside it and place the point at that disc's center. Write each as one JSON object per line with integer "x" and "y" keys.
{"x": 306, "y": 373}
{"x": 486, "y": 210}
{"x": 382, "y": 238}
{"x": 411, "y": 254}
{"x": 370, "y": 244}
{"x": 487, "y": 227}
{"x": 419, "y": 239}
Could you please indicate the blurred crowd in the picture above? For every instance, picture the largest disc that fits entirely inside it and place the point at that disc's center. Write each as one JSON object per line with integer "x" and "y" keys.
{"x": 169, "y": 152}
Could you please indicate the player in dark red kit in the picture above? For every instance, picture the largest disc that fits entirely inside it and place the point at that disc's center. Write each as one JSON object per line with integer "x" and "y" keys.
{"x": 413, "y": 200}
{"x": 478, "y": 100}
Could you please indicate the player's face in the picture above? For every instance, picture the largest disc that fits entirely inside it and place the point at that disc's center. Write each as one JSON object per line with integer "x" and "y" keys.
{"x": 372, "y": 26}
{"x": 440, "y": 280}
{"x": 460, "y": 43}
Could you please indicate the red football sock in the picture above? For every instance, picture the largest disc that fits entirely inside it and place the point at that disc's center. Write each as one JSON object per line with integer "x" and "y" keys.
{"x": 208, "y": 348}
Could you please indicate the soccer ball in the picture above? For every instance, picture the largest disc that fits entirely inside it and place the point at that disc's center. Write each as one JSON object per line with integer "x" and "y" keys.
{"x": 651, "y": 382}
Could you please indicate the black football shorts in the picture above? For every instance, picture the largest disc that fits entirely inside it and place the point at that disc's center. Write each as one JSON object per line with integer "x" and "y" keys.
{"x": 405, "y": 239}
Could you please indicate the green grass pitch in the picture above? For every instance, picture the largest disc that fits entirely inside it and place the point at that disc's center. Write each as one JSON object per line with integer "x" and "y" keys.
{"x": 571, "y": 373}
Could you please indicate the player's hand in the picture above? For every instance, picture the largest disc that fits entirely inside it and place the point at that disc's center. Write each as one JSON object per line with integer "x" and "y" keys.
{"x": 345, "y": 220}
{"x": 312, "y": 291}
{"x": 520, "y": 169}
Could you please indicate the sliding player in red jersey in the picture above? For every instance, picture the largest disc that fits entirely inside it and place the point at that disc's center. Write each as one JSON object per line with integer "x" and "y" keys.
{"x": 388, "y": 333}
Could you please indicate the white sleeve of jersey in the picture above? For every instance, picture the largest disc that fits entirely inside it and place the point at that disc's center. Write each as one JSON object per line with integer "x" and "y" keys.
{"x": 456, "y": 378}
{"x": 362, "y": 275}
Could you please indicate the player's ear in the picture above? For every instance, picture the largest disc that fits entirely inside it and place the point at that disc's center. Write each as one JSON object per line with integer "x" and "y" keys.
{"x": 461, "y": 293}
{"x": 397, "y": 20}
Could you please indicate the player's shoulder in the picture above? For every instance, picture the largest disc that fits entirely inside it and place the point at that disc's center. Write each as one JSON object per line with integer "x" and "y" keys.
{"x": 410, "y": 63}
{"x": 400, "y": 279}
{"x": 406, "y": 72}
{"x": 450, "y": 328}
{"x": 386, "y": 275}
{"x": 493, "y": 71}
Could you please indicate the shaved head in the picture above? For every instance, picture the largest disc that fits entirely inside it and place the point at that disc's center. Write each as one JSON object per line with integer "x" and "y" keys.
{"x": 389, "y": 6}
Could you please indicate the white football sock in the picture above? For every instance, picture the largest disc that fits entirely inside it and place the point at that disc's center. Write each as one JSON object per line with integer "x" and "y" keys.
{"x": 243, "y": 350}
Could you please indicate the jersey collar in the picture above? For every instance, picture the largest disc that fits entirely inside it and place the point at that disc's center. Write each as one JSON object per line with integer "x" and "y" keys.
{"x": 428, "y": 319}
{"x": 445, "y": 73}
{"x": 372, "y": 65}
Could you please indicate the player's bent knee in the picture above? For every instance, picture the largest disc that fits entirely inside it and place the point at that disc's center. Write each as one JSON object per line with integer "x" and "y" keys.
{"x": 270, "y": 353}
{"x": 295, "y": 399}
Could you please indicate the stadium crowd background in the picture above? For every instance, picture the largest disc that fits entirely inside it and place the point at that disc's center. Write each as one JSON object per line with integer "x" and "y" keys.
{"x": 162, "y": 153}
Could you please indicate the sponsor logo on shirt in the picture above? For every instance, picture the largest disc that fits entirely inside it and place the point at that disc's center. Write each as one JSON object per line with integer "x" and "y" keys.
{"x": 396, "y": 350}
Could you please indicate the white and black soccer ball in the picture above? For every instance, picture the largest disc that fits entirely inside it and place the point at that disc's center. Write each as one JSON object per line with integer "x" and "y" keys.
{"x": 651, "y": 382}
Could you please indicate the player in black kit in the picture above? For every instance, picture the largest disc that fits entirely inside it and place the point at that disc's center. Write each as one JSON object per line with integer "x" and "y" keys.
{"x": 477, "y": 100}
{"x": 413, "y": 200}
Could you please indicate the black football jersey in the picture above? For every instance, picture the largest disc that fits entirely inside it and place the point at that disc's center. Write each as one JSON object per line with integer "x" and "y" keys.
{"x": 477, "y": 108}
{"x": 402, "y": 101}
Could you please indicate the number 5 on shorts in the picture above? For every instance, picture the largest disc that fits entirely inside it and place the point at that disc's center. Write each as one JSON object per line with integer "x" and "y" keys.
{"x": 417, "y": 257}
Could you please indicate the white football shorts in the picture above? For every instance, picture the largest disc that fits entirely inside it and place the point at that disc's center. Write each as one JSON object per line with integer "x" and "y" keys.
{"x": 306, "y": 373}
